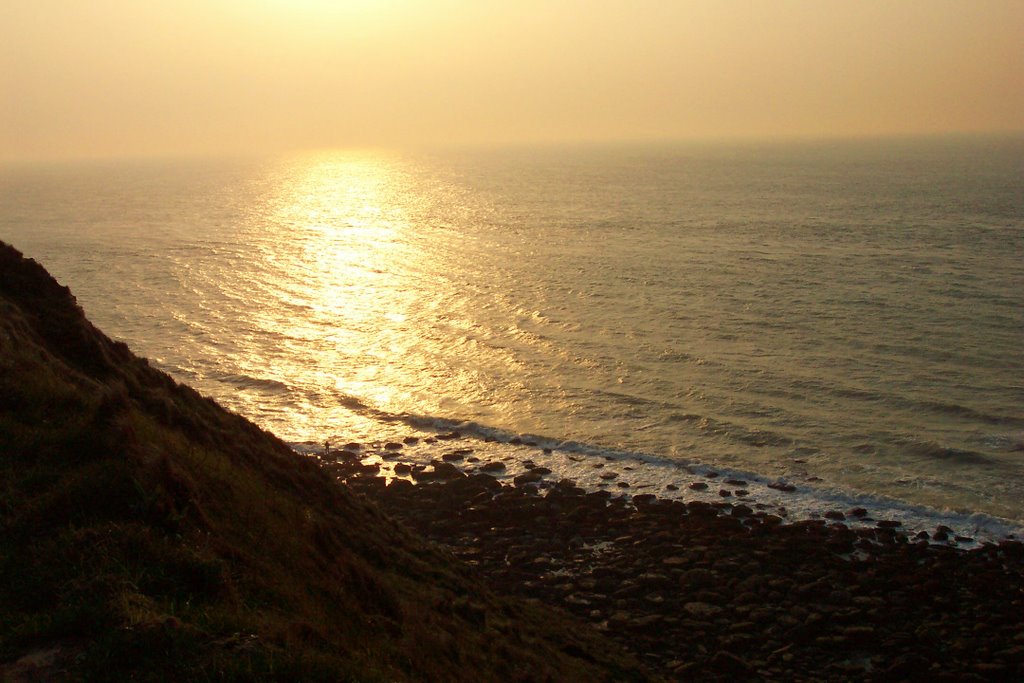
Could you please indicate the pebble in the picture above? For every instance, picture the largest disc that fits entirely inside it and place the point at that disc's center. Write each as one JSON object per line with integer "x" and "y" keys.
{"x": 714, "y": 591}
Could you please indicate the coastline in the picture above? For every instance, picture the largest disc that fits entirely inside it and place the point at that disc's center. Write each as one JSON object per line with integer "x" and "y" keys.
{"x": 628, "y": 474}
{"x": 715, "y": 591}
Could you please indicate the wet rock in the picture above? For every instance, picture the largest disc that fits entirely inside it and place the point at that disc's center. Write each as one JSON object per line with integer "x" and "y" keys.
{"x": 527, "y": 478}
{"x": 448, "y": 471}
{"x": 492, "y": 467}
{"x": 698, "y": 486}
{"x": 410, "y": 440}
{"x": 392, "y": 446}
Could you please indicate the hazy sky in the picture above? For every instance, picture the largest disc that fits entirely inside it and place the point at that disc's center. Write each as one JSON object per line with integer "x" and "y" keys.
{"x": 132, "y": 77}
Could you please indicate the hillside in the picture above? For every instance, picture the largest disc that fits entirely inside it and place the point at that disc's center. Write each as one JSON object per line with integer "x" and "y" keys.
{"x": 148, "y": 534}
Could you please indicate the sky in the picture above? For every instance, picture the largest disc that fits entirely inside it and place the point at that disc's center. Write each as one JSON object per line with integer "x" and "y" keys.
{"x": 114, "y": 78}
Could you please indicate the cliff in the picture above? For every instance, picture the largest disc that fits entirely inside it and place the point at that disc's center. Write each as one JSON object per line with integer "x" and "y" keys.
{"x": 148, "y": 534}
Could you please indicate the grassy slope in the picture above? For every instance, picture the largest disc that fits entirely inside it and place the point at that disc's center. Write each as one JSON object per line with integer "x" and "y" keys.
{"x": 147, "y": 533}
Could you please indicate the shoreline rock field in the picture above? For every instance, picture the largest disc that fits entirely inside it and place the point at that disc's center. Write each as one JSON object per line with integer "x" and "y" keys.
{"x": 723, "y": 591}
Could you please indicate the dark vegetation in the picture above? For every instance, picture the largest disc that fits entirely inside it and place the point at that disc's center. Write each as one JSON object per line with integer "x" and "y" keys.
{"x": 148, "y": 534}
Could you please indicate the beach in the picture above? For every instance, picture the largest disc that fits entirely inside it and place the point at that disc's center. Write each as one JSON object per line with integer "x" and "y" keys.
{"x": 717, "y": 591}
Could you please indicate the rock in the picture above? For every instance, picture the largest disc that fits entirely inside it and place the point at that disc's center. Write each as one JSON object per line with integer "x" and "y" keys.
{"x": 403, "y": 468}
{"x": 454, "y": 456}
{"x": 858, "y": 512}
{"x": 702, "y": 609}
{"x": 609, "y": 475}
{"x": 725, "y": 493}
{"x": 492, "y": 467}
{"x": 392, "y": 446}
{"x": 698, "y": 486}
{"x": 443, "y": 470}
{"x": 782, "y": 486}
{"x": 527, "y": 478}
{"x": 671, "y": 487}
{"x": 645, "y": 622}
{"x": 835, "y": 514}
{"x": 540, "y": 470}
{"x": 410, "y": 440}
{"x": 736, "y": 482}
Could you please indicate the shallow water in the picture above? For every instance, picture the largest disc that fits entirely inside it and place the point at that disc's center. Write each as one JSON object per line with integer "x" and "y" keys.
{"x": 845, "y": 316}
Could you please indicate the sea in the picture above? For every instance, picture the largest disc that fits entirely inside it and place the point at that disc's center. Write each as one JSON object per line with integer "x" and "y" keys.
{"x": 842, "y": 317}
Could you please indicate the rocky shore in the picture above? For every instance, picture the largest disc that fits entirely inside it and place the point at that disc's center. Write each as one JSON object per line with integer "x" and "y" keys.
{"x": 715, "y": 591}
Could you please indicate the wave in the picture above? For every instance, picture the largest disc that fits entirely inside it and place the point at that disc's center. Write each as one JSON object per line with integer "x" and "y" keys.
{"x": 245, "y": 381}
{"x": 930, "y": 449}
{"x": 796, "y": 499}
{"x": 969, "y": 413}
{"x": 901, "y": 401}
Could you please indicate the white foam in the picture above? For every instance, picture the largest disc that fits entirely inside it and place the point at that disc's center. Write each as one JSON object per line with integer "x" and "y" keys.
{"x": 645, "y": 473}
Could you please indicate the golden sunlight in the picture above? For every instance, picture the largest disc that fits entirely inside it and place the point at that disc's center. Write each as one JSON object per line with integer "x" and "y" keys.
{"x": 346, "y": 210}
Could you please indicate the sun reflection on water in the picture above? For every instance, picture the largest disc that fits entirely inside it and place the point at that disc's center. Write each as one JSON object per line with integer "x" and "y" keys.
{"x": 341, "y": 292}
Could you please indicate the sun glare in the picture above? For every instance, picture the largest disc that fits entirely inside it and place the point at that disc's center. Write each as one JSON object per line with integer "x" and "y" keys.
{"x": 346, "y": 210}
{"x": 333, "y": 8}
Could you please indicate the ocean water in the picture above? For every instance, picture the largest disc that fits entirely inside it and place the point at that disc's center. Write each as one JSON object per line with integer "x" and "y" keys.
{"x": 847, "y": 317}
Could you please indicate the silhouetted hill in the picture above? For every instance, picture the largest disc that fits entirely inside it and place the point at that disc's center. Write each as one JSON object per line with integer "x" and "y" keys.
{"x": 148, "y": 534}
